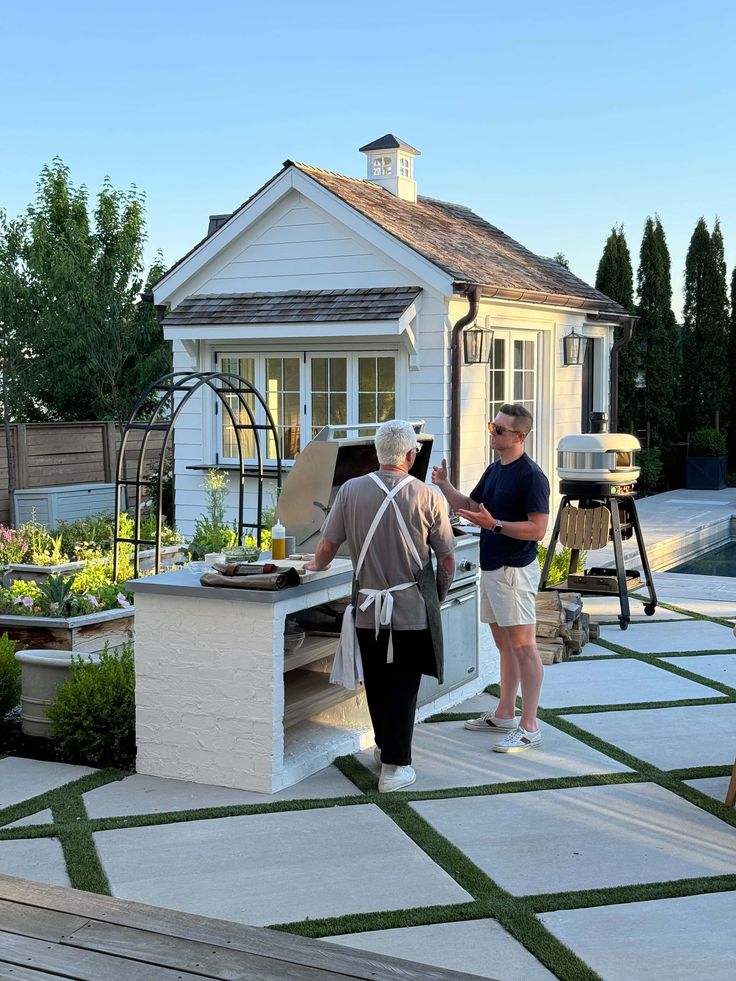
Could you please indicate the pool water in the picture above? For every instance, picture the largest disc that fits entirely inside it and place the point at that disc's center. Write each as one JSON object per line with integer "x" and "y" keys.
{"x": 720, "y": 562}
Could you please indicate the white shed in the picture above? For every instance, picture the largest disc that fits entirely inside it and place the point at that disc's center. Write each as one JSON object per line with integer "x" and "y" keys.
{"x": 342, "y": 299}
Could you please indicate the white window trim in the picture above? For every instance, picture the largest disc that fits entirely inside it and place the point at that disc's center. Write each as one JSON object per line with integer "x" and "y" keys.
{"x": 352, "y": 353}
{"x": 509, "y": 336}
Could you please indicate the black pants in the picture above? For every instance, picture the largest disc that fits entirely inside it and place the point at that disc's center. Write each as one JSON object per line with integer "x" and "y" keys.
{"x": 391, "y": 689}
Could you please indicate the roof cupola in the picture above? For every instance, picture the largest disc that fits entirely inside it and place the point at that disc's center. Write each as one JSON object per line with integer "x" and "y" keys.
{"x": 391, "y": 164}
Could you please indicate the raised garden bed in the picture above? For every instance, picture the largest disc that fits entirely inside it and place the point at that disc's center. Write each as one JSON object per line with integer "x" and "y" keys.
{"x": 86, "y": 634}
{"x": 37, "y": 573}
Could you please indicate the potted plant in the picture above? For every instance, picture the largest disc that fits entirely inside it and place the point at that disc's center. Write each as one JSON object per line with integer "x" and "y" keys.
{"x": 707, "y": 462}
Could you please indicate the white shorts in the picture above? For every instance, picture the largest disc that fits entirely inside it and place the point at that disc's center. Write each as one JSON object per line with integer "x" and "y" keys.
{"x": 508, "y": 596}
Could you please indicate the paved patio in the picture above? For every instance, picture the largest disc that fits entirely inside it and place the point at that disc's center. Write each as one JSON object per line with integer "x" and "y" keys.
{"x": 607, "y": 852}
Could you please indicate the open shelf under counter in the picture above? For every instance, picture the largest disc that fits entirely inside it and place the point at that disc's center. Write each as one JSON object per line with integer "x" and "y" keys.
{"x": 314, "y": 648}
{"x": 308, "y": 693}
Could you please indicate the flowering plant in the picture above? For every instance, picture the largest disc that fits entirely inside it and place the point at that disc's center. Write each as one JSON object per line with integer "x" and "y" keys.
{"x": 13, "y": 545}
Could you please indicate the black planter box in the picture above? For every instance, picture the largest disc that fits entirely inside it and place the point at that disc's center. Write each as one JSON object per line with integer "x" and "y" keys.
{"x": 706, "y": 472}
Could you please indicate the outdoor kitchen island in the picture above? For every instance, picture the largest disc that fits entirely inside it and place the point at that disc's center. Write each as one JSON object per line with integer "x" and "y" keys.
{"x": 218, "y": 701}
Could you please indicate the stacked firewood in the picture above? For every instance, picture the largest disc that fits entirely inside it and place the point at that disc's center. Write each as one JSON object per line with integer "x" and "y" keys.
{"x": 562, "y": 627}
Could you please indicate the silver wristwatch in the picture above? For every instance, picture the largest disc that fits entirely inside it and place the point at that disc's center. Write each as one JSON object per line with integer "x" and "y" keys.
{"x": 497, "y": 528}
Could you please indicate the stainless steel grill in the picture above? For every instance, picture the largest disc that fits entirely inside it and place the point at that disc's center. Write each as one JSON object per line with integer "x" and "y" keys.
{"x": 336, "y": 454}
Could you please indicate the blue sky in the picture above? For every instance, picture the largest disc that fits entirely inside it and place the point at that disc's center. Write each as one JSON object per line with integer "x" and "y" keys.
{"x": 552, "y": 121}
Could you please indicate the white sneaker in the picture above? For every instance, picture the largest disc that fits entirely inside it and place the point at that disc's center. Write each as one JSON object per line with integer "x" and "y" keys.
{"x": 518, "y": 741}
{"x": 395, "y": 778}
{"x": 489, "y": 723}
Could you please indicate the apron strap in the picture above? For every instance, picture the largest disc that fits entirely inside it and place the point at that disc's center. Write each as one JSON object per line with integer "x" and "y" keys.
{"x": 390, "y": 494}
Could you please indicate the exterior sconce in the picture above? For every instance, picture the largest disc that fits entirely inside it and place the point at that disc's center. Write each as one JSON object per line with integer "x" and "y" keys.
{"x": 573, "y": 348}
{"x": 477, "y": 343}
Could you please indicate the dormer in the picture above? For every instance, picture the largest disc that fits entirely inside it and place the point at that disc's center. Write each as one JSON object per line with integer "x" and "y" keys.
{"x": 391, "y": 164}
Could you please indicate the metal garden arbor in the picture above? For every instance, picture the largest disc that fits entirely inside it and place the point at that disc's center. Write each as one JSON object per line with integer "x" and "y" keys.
{"x": 157, "y": 410}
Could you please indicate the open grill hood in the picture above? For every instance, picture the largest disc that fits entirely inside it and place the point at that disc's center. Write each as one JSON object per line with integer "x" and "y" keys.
{"x": 336, "y": 454}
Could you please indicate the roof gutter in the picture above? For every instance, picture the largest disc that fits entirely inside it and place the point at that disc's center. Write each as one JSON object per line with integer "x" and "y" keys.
{"x": 473, "y": 293}
{"x": 627, "y": 325}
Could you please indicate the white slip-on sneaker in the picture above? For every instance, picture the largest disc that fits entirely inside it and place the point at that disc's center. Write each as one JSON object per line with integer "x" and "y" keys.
{"x": 489, "y": 723}
{"x": 518, "y": 741}
{"x": 395, "y": 778}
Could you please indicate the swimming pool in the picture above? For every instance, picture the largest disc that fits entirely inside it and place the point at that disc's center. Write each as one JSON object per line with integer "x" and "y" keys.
{"x": 720, "y": 562}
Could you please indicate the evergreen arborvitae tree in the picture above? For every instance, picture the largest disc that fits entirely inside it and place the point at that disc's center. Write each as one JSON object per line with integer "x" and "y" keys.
{"x": 732, "y": 356}
{"x": 707, "y": 398}
{"x": 615, "y": 278}
{"x": 659, "y": 336}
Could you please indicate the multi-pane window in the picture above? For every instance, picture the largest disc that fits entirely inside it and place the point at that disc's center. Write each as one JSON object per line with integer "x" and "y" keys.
{"x": 513, "y": 377}
{"x": 329, "y": 392}
{"x": 376, "y": 389}
{"x": 277, "y": 378}
{"x": 283, "y": 397}
{"x": 404, "y": 167}
{"x": 382, "y": 166}
{"x": 332, "y": 390}
{"x": 245, "y": 367}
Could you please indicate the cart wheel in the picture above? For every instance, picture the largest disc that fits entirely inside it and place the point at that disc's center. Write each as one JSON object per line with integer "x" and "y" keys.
{"x": 623, "y": 623}
{"x": 649, "y": 609}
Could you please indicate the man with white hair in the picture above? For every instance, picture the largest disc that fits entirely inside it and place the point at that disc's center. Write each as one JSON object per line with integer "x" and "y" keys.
{"x": 391, "y": 522}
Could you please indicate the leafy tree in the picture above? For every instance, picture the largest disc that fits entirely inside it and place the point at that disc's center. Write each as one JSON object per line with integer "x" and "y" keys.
{"x": 659, "y": 335}
{"x": 16, "y": 319}
{"x": 562, "y": 259}
{"x": 705, "y": 345}
{"x": 615, "y": 278}
{"x": 96, "y": 344}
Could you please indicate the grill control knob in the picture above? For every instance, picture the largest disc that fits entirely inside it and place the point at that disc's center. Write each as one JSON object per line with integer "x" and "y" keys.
{"x": 466, "y": 566}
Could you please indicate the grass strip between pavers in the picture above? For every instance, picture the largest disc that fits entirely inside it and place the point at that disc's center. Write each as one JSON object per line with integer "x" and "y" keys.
{"x": 517, "y": 914}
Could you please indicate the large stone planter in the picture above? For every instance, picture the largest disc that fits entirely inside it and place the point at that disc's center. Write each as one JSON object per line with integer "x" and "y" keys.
{"x": 42, "y": 671}
{"x": 86, "y": 634}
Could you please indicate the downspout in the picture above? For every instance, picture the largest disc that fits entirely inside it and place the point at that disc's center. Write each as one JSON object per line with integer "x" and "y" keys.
{"x": 473, "y": 294}
{"x": 628, "y": 327}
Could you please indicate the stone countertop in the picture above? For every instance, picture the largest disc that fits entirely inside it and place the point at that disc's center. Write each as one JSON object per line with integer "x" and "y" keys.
{"x": 180, "y": 582}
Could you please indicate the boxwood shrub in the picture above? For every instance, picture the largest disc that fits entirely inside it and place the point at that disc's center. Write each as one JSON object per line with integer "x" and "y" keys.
{"x": 93, "y": 714}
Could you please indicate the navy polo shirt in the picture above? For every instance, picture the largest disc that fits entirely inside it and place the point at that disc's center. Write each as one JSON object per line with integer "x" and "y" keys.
{"x": 511, "y": 493}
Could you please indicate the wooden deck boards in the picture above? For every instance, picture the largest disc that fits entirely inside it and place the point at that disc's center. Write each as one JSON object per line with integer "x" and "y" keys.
{"x": 49, "y": 932}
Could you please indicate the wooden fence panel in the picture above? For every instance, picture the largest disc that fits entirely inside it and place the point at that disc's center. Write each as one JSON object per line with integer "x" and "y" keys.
{"x": 59, "y": 454}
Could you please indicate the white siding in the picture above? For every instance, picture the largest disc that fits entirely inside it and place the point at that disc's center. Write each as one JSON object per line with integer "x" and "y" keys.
{"x": 295, "y": 245}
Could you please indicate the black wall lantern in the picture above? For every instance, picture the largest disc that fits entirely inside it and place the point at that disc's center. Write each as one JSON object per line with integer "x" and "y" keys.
{"x": 573, "y": 348}
{"x": 477, "y": 343}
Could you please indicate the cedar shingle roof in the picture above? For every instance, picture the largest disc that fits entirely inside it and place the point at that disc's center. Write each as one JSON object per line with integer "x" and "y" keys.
{"x": 455, "y": 239}
{"x": 294, "y": 306}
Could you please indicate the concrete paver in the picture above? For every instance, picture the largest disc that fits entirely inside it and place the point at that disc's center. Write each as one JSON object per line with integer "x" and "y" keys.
{"x": 594, "y": 650}
{"x": 615, "y": 683}
{"x": 584, "y": 838}
{"x": 445, "y": 754}
{"x": 272, "y": 868}
{"x": 40, "y": 817}
{"x": 662, "y": 940}
{"x": 38, "y": 859}
{"x": 142, "y": 794}
{"x": 667, "y": 638}
{"x": 670, "y": 738}
{"x": 719, "y": 667}
{"x": 21, "y": 779}
{"x": 714, "y": 787}
{"x": 607, "y": 609}
{"x": 479, "y": 947}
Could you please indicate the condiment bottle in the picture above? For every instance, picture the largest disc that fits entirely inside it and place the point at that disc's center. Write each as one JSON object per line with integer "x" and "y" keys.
{"x": 278, "y": 541}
